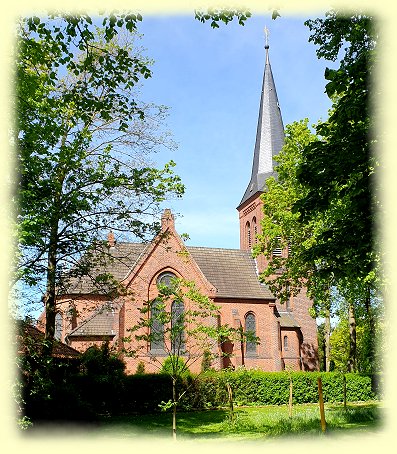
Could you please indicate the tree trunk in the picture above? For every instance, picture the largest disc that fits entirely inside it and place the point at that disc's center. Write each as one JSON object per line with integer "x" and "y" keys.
{"x": 50, "y": 294}
{"x": 351, "y": 365}
{"x": 174, "y": 409}
{"x": 371, "y": 326}
{"x": 327, "y": 336}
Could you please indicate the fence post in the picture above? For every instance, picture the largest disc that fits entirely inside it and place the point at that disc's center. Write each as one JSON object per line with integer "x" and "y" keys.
{"x": 321, "y": 402}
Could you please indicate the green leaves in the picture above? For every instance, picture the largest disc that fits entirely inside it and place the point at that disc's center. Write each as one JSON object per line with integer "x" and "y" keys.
{"x": 222, "y": 15}
{"x": 282, "y": 226}
{"x": 337, "y": 169}
{"x": 82, "y": 139}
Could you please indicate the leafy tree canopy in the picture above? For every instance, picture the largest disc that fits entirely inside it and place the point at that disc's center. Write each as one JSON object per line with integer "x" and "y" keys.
{"x": 338, "y": 170}
{"x": 82, "y": 139}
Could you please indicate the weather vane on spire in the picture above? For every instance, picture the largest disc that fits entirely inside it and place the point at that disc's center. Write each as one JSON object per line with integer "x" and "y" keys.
{"x": 267, "y": 33}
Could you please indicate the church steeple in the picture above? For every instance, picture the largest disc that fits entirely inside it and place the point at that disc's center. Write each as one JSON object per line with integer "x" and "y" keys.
{"x": 269, "y": 141}
{"x": 269, "y": 134}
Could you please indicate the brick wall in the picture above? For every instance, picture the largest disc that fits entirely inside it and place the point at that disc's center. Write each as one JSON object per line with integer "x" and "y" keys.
{"x": 168, "y": 253}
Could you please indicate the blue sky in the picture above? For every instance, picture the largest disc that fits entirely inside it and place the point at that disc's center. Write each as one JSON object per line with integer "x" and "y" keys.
{"x": 211, "y": 81}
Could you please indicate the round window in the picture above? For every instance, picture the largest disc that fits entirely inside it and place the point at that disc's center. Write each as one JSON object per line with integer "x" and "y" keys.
{"x": 165, "y": 278}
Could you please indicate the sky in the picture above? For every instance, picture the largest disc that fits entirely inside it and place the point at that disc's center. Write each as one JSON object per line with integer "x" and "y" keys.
{"x": 211, "y": 81}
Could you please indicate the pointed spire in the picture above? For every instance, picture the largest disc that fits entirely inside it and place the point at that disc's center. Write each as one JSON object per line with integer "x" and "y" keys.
{"x": 269, "y": 134}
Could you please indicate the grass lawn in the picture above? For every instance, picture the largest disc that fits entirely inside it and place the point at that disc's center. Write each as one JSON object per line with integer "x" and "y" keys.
{"x": 250, "y": 423}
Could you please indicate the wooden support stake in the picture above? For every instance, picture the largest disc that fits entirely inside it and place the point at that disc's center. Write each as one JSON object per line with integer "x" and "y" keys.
{"x": 231, "y": 408}
{"x": 321, "y": 402}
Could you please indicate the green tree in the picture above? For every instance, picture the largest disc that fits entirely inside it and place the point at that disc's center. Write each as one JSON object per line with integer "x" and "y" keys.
{"x": 282, "y": 227}
{"x": 82, "y": 138}
{"x": 178, "y": 329}
{"x": 338, "y": 169}
{"x": 355, "y": 347}
{"x": 340, "y": 345}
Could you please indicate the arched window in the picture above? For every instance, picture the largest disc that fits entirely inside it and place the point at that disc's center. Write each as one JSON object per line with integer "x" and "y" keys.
{"x": 177, "y": 327}
{"x": 58, "y": 326}
{"x": 157, "y": 327}
{"x": 250, "y": 328}
{"x": 248, "y": 233}
{"x": 254, "y": 229}
{"x": 285, "y": 343}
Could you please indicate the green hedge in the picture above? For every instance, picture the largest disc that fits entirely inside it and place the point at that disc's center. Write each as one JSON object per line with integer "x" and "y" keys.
{"x": 143, "y": 393}
{"x": 253, "y": 387}
{"x": 85, "y": 397}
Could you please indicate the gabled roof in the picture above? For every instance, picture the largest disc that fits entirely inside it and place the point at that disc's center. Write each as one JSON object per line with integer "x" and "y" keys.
{"x": 269, "y": 135}
{"x": 100, "y": 323}
{"x": 231, "y": 271}
{"x": 119, "y": 261}
{"x": 31, "y": 337}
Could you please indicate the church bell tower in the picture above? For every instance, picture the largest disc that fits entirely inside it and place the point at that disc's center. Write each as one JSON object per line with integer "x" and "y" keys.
{"x": 269, "y": 141}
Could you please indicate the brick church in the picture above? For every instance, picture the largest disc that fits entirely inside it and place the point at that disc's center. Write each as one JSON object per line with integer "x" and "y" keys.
{"x": 229, "y": 277}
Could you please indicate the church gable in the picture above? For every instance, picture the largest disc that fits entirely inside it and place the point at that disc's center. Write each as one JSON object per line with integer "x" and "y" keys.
{"x": 167, "y": 252}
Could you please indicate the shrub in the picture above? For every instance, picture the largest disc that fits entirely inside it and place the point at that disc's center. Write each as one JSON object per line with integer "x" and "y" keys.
{"x": 143, "y": 393}
{"x": 254, "y": 387}
{"x": 140, "y": 369}
{"x": 175, "y": 366}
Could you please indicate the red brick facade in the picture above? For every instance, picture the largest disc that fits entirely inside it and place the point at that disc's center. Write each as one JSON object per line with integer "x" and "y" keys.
{"x": 281, "y": 346}
{"x": 301, "y": 348}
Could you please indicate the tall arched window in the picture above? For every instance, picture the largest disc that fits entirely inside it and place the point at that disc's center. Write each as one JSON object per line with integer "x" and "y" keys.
{"x": 178, "y": 327}
{"x": 285, "y": 343}
{"x": 58, "y": 326}
{"x": 157, "y": 327}
{"x": 248, "y": 234}
{"x": 254, "y": 229}
{"x": 250, "y": 328}
{"x": 156, "y": 315}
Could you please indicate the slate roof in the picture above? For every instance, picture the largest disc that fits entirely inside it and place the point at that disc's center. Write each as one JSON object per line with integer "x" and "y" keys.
{"x": 29, "y": 336}
{"x": 231, "y": 271}
{"x": 119, "y": 262}
{"x": 287, "y": 320}
{"x": 269, "y": 135}
{"x": 100, "y": 323}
